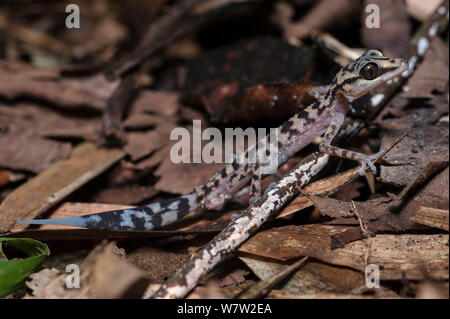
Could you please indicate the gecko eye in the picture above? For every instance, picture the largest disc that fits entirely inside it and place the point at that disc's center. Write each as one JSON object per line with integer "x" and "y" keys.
{"x": 369, "y": 71}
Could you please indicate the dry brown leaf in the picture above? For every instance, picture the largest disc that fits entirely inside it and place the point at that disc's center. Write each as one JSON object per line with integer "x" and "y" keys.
{"x": 103, "y": 274}
{"x": 23, "y": 150}
{"x": 141, "y": 144}
{"x": 405, "y": 161}
{"x": 17, "y": 84}
{"x": 164, "y": 103}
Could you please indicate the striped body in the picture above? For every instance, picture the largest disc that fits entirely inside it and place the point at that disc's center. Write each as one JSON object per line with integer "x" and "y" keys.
{"x": 323, "y": 117}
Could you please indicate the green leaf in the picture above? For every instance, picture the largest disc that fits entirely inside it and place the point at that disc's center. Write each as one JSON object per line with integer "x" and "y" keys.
{"x": 14, "y": 272}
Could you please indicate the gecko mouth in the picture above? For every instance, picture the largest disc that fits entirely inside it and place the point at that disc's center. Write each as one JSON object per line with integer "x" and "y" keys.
{"x": 402, "y": 68}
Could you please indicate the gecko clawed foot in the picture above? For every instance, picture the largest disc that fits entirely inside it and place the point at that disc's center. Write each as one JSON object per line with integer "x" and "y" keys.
{"x": 368, "y": 161}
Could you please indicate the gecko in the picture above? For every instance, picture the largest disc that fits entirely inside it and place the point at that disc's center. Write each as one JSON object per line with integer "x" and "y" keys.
{"x": 322, "y": 118}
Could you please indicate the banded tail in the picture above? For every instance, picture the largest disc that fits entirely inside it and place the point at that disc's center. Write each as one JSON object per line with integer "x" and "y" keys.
{"x": 140, "y": 218}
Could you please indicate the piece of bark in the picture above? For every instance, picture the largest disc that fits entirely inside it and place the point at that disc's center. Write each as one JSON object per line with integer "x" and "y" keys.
{"x": 23, "y": 150}
{"x": 414, "y": 256}
{"x": 103, "y": 274}
{"x": 437, "y": 218}
{"x": 52, "y": 185}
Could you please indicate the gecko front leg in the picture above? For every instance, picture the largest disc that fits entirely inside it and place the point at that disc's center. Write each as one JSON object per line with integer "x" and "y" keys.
{"x": 326, "y": 147}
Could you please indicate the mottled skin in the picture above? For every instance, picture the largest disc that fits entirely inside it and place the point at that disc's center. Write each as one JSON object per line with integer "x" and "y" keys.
{"x": 324, "y": 117}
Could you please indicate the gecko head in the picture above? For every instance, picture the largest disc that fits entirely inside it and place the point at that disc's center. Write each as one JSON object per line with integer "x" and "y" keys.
{"x": 367, "y": 72}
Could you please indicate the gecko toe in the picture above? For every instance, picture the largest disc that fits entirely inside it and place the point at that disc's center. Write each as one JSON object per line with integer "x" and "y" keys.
{"x": 372, "y": 167}
{"x": 362, "y": 170}
{"x": 375, "y": 156}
